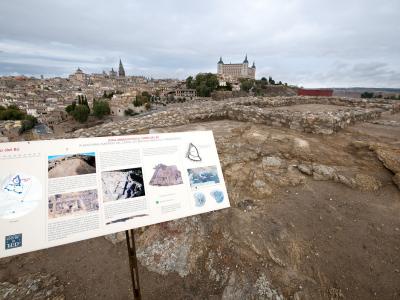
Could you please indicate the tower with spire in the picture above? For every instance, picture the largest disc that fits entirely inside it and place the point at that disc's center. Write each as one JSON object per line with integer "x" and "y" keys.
{"x": 220, "y": 65}
{"x": 121, "y": 70}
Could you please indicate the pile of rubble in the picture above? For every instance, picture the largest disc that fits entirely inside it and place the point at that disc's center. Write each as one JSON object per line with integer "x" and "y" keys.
{"x": 34, "y": 286}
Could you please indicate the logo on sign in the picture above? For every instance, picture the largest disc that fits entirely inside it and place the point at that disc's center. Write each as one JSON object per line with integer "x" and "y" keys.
{"x": 13, "y": 241}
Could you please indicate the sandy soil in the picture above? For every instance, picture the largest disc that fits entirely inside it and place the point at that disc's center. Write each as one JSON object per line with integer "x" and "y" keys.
{"x": 327, "y": 240}
{"x": 351, "y": 240}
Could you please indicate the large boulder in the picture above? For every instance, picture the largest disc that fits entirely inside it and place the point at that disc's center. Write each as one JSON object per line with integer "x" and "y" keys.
{"x": 323, "y": 172}
{"x": 390, "y": 158}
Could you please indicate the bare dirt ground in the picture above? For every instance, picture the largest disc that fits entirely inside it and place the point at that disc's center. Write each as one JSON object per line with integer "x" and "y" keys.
{"x": 288, "y": 234}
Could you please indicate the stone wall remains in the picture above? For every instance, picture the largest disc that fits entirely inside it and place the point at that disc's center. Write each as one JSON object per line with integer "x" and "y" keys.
{"x": 253, "y": 110}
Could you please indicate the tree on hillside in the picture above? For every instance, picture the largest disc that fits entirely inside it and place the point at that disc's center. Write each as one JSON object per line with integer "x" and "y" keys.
{"x": 70, "y": 108}
{"x": 107, "y": 95}
{"x": 204, "y": 84}
{"x": 145, "y": 97}
{"x": 81, "y": 113}
{"x": 142, "y": 99}
{"x": 28, "y": 123}
{"x": 12, "y": 112}
{"x": 101, "y": 108}
{"x": 261, "y": 83}
{"x": 190, "y": 83}
{"x": 82, "y": 100}
{"x": 270, "y": 80}
{"x": 367, "y": 95}
{"x": 246, "y": 84}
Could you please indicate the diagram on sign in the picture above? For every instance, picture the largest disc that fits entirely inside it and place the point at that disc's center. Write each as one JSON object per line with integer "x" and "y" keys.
{"x": 19, "y": 195}
{"x": 193, "y": 153}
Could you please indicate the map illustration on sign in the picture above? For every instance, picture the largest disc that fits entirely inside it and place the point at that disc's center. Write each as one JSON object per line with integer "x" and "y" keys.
{"x": 15, "y": 185}
{"x": 193, "y": 153}
{"x": 19, "y": 195}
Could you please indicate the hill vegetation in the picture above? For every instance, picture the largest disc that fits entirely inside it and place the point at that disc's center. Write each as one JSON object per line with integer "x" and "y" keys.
{"x": 80, "y": 109}
{"x": 12, "y": 112}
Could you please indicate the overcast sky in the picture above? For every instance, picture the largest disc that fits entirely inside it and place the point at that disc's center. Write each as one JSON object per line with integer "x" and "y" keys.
{"x": 313, "y": 43}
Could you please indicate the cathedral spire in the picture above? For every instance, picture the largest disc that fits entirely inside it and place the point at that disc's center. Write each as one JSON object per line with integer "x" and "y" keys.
{"x": 245, "y": 60}
{"x": 121, "y": 70}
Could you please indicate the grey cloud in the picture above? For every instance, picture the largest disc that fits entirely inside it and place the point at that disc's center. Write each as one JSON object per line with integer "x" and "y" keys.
{"x": 298, "y": 41}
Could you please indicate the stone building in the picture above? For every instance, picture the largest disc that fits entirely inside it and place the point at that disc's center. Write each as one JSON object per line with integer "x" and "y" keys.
{"x": 121, "y": 70}
{"x": 235, "y": 71}
{"x": 112, "y": 74}
{"x": 78, "y": 75}
{"x": 120, "y": 103}
{"x": 53, "y": 117}
{"x": 185, "y": 93}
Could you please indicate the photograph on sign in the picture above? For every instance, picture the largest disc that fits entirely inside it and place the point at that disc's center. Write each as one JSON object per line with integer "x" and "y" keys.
{"x": 203, "y": 176}
{"x": 122, "y": 184}
{"x": 74, "y": 203}
{"x": 70, "y": 165}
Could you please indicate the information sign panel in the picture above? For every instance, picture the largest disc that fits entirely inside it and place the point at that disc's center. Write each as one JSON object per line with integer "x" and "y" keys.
{"x": 56, "y": 192}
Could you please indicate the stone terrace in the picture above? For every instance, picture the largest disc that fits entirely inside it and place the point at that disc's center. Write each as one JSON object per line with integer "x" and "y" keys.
{"x": 320, "y": 115}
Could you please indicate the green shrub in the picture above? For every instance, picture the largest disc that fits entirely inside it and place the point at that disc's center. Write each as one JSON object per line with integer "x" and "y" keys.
{"x": 101, "y": 108}
{"x": 81, "y": 113}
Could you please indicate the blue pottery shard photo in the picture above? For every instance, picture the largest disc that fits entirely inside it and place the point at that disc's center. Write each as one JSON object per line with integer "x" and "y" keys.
{"x": 218, "y": 196}
{"x": 200, "y": 199}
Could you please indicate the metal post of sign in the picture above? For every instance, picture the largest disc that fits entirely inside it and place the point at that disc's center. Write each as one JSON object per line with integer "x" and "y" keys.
{"x": 130, "y": 242}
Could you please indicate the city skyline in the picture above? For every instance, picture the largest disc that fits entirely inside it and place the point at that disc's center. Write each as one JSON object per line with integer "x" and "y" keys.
{"x": 307, "y": 43}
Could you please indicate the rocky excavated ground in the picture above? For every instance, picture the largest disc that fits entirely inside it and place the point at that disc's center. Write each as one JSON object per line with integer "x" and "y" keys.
{"x": 313, "y": 216}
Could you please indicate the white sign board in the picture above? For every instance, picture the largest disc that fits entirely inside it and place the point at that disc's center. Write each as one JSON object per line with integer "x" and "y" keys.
{"x": 56, "y": 192}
